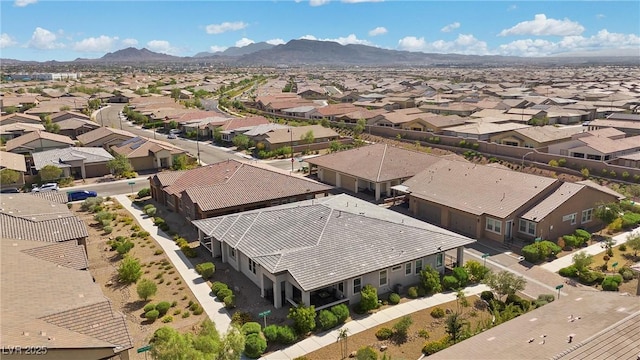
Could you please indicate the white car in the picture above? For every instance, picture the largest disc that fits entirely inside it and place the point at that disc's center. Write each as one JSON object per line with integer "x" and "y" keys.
{"x": 46, "y": 187}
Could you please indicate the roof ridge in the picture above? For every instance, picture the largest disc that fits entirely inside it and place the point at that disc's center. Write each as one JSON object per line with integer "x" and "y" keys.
{"x": 247, "y": 229}
{"x": 235, "y": 172}
{"x": 384, "y": 153}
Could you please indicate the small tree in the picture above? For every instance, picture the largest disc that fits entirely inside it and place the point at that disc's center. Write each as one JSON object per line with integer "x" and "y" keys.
{"x": 369, "y": 298}
{"x": 344, "y": 346}
{"x": 50, "y": 173}
{"x": 505, "y": 283}
{"x": 180, "y": 162}
{"x": 366, "y": 353}
{"x": 304, "y": 318}
{"x": 476, "y": 270}
{"x": 430, "y": 280}
{"x": 8, "y": 176}
{"x": 581, "y": 261}
{"x": 146, "y": 289}
{"x": 401, "y": 328}
{"x": 119, "y": 165}
{"x": 129, "y": 270}
{"x": 608, "y": 243}
{"x": 360, "y": 127}
{"x": 633, "y": 242}
{"x": 453, "y": 326}
{"x": 607, "y": 212}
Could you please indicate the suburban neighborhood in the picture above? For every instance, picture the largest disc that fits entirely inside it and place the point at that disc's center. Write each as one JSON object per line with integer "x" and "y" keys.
{"x": 306, "y": 213}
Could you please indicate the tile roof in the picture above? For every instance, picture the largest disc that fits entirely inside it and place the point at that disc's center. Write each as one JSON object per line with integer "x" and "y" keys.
{"x": 59, "y": 197}
{"x": 236, "y": 123}
{"x": 543, "y": 134}
{"x": 246, "y": 185}
{"x": 12, "y": 161}
{"x": 74, "y": 123}
{"x": 141, "y": 147}
{"x": 67, "y": 253}
{"x": 364, "y": 236}
{"x": 602, "y": 188}
{"x": 376, "y": 163}
{"x": 480, "y": 128}
{"x": 280, "y": 136}
{"x": 60, "y": 157}
{"x": 102, "y": 132}
{"x": 618, "y": 124}
{"x": 69, "y": 310}
{"x": 477, "y": 189}
{"x": 552, "y": 201}
{"x": 202, "y": 176}
{"x": 20, "y": 128}
{"x": 606, "y": 145}
{"x": 36, "y": 135}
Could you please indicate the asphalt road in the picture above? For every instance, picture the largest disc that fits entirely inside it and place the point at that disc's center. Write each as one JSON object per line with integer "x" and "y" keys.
{"x": 111, "y": 188}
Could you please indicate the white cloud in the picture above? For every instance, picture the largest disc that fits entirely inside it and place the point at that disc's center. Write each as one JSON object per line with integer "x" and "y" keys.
{"x": 450, "y": 27}
{"x": 244, "y": 42}
{"x": 380, "y": 30}
{"x": 541, "y": 25}
{"x": 600, "y": 16}
{"x": 23, "y": 3}
{"x": 215, "y": 48}
{"x": 44, "y": 39}
{"x": 360, "y": 1}
{"x": 95, "y": 44}
{"x": 308, "y": 37}
{"x": 129, "y": 42}
{"x": 275, "y": 41}
{"x": 512, "y": 7}
{"x": 162, "y": 46}
{"x": 603, "y": 40}
{"x": 318, "y": 2}
{"x": 344, "y": 40}
{"x": 6, "y": 41}
{"x": 464, "y": 44}
{"x": 225, "y": 27}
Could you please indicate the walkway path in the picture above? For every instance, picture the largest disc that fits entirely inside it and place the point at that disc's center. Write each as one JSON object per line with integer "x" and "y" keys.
{"x": 353, "y": 327}
{"x": 216, "y": 311}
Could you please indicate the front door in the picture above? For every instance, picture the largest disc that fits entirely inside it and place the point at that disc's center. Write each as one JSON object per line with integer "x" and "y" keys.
{"x": 507, "y": 229}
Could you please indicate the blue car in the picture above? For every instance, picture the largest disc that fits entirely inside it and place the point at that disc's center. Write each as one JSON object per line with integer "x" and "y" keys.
{"x": 81, "y": 195}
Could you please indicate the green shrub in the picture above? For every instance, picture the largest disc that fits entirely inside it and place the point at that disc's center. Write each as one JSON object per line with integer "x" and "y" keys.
{"x": 152, "y": 315}
{"x": 251, "y": 327}
{"x": 412, "y": 293}
{"x": 157, "y": 221}
{"x": 487, "y": 296}
{"x": 144, "y": 193}
{"x": 341, "y": 312}
{"x": 107, "y": 229}
{"x": 432, "y": 347}
{"x": 369, "y": 298}
{"x": 163, "y": 307}
{"x": 224, "y": 293}
{"x": 327, "y": 320}
{"x": 367, "y": 352}
{"x": 590, "y": 277}
{"x": 384, "y": 333}
{"x": 146, "y": 288}
{"x": 271, "y": 333}
{"x": 240, "y": 317}
{"x": 450, "y": 283}
{"x": 149, "y": 307}
{"x": 437, "y": 313}
{"x": 229, "y": 302}
{"x": 198, "y": 310}
{"x": 622, "y": 247}
{"x": 546, "y": 297}
{"x": 626, "y": 273}
{"x": 254, "y": 346}
{"x": 286, "y": 335}
{"x": 461, "y": 275}
{"x": 476, "y": 271}
{"x": 167, "y": 319}
{"x": 394, "y": 298}
{"x": 151, "y": 211}
{"x": 583, "y": 234}
{"x": 569, "y": 271}
{"x": 304, "y": 318}
{"x": 206, "y": 270}
{"x": 610, "y": 284}
{"x": 217, "y": 286}
{"x": 401, "y": 328}
{"x": 572, "y": 241}
{"x": 531, "y": 253}
{"x": 630, "y": 219}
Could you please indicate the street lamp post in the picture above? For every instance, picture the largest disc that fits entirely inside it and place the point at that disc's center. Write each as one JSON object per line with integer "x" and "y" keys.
{"x": 524, "y": 156}
{"x": 198, "y": 142}
{"x": 291, "y": 147}
{"x": 101, "y": 122}
{"x": 484, "y": 259}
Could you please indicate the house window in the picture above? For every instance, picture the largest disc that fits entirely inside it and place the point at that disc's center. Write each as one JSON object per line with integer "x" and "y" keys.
{"x": 357, "y": 285}
{"x": 396, "y": 268}
{"x": 252, "y": 266}
{"x": 407, "y": 268}
{"x": 232, "y": 253}
{"x": 587, "y": 215}
{"x": 494, "y": 225}
{"x": 527, "y": 227}
{"x": 570, "y": 217}
{"x": 439, "y": 260}
{"x": 383, "y": 277}
{"x": 418, "y": 266}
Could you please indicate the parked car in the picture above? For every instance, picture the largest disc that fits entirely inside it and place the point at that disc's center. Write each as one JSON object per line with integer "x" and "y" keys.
{"x": 9, "y": 191}
{"x": 46, "y": 187}
{"x": 172, "y": 136}
{"x": 81, "y": 195}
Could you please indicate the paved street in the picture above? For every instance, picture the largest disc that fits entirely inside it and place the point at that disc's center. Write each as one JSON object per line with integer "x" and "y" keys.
{"x": 114, "y": 187}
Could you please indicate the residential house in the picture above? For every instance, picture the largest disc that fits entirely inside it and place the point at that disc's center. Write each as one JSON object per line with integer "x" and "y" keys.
{"x": 369, "y": 116}
{"x": 20, "y": 118}
{"x": 294, "y": 137}
{"x": 228, "y": 187}
{"x": 630, "y": 160}
{"x": 73, "y": 127}
{"x": 372, "y": 169}
{"x": 536, "y": 136}
{"x": 38, "y": 141}
{"x": 460, "y": 109}
{"x": 312, "y": 93}
{"x": 322, "y": 252}
{"x": 64, "y": 115}
{"x": 14, "y": 130}
{"x": 148, "y": 154}
{"x": 229, "y": 128}
{"x": 331, "y": 111}
{"x": 496, "y": 203}
{"x": 603, "y": 145}
{"x": 104, "y": 137}
{"x": 482, "y": 130}
{"x": 17, "y": 102}
{"x": 78, "y": 162}
{"x": 15, "y": 162}
{"x": 629, "y": 127}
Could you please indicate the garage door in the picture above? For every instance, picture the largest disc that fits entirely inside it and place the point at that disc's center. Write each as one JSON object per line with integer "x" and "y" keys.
{"x": 464, "y": 224}
{"x": 329, "y": 177}
{"x": 348, "y": 182}
{"x": 429, "y": 212}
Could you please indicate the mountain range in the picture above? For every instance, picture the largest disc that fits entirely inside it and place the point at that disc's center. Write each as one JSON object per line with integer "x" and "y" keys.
{"x": 328, "y": 53}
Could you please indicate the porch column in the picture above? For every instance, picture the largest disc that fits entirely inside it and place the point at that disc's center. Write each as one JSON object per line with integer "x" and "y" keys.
{"x": 460, "y": 256}
{"x": 355, "y": 186}
{"x": 170, "y": 161}
{"x": 338, "y": 180}
{"x": 262, "y": 286}
{"x": 224, "y": 249}
{"x": 83, "y": 171}
{"x": 277, "y": 297}
{"x": 288, "y": 290}
{"x": 388, "y": 190}
{"x": 157, "y": 158}
{"x": 306, "y": 298}
{"x": 377, "y": 191}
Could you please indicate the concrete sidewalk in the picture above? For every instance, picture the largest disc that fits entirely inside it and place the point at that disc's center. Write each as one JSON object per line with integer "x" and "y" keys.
{"x": 353, "y": 327}
{"x": 594, "y": 249}
{"x": 214, "y": 309}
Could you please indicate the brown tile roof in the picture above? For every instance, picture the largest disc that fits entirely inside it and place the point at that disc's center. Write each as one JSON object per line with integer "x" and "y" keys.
{"x": 336, "y": 109}
{"x": 477, "y": 189}
{"x": 12, "y": 161}
{"x": 52, "y": 304}
{"x": 59, "y": 197}
{"x": 250, "y": 184}
{"x": 67, "y": 253}
{"x": 69, "y": 114}
{"x": 552, "y": 201}
{"x": 75, "y": 123}
{"x": 236, "y": 123}
{"x": 280, "y": 136}
{"x": 203, "y": 176}
{"x": 19, "y": 117}
{"x": 142, "y": 147}
{"x": 102, "y": 132}
{"x": 35, "y": 135}
{"x": 376, "y": 163}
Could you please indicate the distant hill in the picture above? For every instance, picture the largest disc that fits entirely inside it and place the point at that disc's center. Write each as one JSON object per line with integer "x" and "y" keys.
{"x": 237, "y": 51}
{"x": 132, "y": 54}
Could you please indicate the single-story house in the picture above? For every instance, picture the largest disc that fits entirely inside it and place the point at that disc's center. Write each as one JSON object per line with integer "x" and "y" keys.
{"x": 229, "y": 128}
{"x": 148, "y": 154}
{"x": 481, "y": 130}
{"x": 38, "y": 141}
{"x": 73, "y": 127}
{"x": 228, "y": 187}
{"x": 15, "y": 162}
{"x": 105, "y": 137}
{"x": 322, "y": 252}
{"x": 79, "y": 162}
{"x": 20, "y": 118}
{"x": 490, "y": 202}
{"x": 372, "y": 169}
{"x": 536, "y": 136}
{"x": 294, "y": 136}
{"x": 64, "y": 115}
{"x": 603, "y": 145}
{"x": 14, "y": 130}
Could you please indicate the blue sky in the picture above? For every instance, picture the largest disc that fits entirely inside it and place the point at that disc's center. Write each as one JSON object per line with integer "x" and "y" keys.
{"x": 65, "y": 30}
